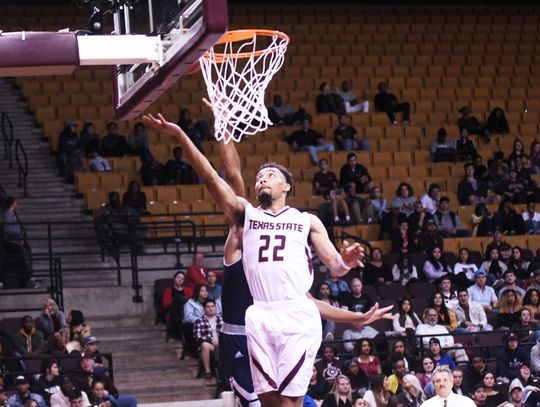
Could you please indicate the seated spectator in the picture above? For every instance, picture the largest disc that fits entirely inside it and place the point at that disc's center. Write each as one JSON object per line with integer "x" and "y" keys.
{"x": 535, "y": 282}
{"x": 482, "y": 293}
{"x": 324, "y": 295}
{"x": 324, "y": 180}
{"x": 508, "y": 220}
{"x": 448, "y": 222}
{"x": 329, "y": 366}
{"x": 404, "y": 272}
{"x": 482, "y": 221}
{"x": 206, "y": 331}
{"x": 51, "y": 320}
{"x": 403, "y": 239}
{"x": 446, "y": 316}
{"x": 61, "y": 398}
{"x": 364, "y": 354}
{"x": 99, "y": 396}
{"x": 29, "y": 341}
{"x": 99, "y": 163}
{"x": 505, "y": 250}
{"x": 465, "y": 149}
{"x": 518, "y": 151}
{"x": 178, "y": 171}
{"x": 359, "y": 209}
{"x": 439, "y": 356}
{"x": 435, "y": 266}
{"x": 350, "y": 100}
{"x": 355, "y": 299}
{"x": 138, "y": 139}
{"x": 531, "y": 301}
{"x": 470, "y": 315}
{"x": 69, "y": 153}
{"x": 442, "y": 150}
{"x": 494, "y": 396}
{"x": 417, "y": 220}
{"x": 48, "y": 382}
{"x": 465, "y": 266}
{"x": 430, "y": 200}
{"x": 328, "y": 100}
{"x": 405, "y": 320}
{"x": 388, "y": 103}
{"x": 405, "y": 198}
{"x": 496, "y": 122}
{"x": 531, "y": 218}
{"x": 497, "y": 170}
{"x": 152, "y": 171}
{"x": 214, "y": 289}
{"x": 430, "y": 237}
{"x": 282, "y": 114}
{"x": 317, "y": 387}
{"x": 193, "y": 310}
{"x": 307, "y": 139}
{"x": 379, "y": 204}
{"x": 89, "y": 139}
{"x": 412, "y": 394}
{"x": 510, "y": 283}
{"x": 479, "y": 396}
{"x": 334, "y": 209}
{"x": 508, "y": 308}
{"x": 510, "y": 357}
{"x": 474, "y": 372}
{"x": 23, "y": 394}
{"x": 358, "y": 378}
{"x": 355, "y": 174}
{"x": 400, "y": 350}
{"x": 114, "y": 144}
{"x": 471, "y": 190}
{"x": 134, "y": 198}
{"x": 526, "y": 330}
{"x": 196, "y": 273}
{"x": 356, "y": 332}
{"x": 471, "y": 124}
{"x": 340, "y": 393}
{"x": 90, "y": 344}
{"x": 396, "y": 378}
{"x": 534, "y": 157}
{"x": 337, "y": 286}
{"x": 376, "y": 271}
{"x": 447, "y": 291}
{"x": 512, "y": 188}
{"x": 174, "y": 299}
{"x": 346, "y": 137}
{"x": 196, "y": 130}
{"x": 426, "y": 370}
{"x": 519, "y": 265}
{"x": 528, "y": 383}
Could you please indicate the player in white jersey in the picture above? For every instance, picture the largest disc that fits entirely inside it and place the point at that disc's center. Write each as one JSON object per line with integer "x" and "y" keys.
{"x": 283, "y": 327}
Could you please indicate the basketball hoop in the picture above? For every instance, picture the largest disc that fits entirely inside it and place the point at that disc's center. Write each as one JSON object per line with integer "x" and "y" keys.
{"x": 237, "y": 71}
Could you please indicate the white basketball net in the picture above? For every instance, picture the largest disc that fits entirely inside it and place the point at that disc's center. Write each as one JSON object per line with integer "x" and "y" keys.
{"x": 236, "y": 90}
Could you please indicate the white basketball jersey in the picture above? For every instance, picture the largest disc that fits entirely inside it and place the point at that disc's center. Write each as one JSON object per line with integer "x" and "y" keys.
{"x": 276, "y": 255}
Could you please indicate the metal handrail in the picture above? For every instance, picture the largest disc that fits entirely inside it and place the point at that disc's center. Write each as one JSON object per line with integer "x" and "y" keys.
{"x": 8, "y": 138}
{"x": 22, "y": 166}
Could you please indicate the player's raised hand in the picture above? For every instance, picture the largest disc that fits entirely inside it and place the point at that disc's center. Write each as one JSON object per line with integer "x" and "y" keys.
{"x": 376, "y": 313}
{"x": 161, "y": 124}
{"x": 352, "y": 254}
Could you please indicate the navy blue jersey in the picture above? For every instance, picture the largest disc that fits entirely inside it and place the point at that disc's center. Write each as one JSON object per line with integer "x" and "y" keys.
{"x": 235, "y": 294}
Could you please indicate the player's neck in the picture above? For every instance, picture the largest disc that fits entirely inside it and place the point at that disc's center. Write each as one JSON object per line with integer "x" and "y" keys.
{"x": 275, "y": 206}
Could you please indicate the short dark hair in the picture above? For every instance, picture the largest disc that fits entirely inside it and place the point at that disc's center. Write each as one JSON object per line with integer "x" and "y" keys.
{"x": 209, "y": 301}
{"x": 444, "y": 199}
{"x": 9, "y": 201}
{"x": 468, "y": 165}
{"x": 321, "y": 87}
{"x": 350, "y": 155}
{"x": 286, "y": 173}
{"x": 323, "y": 159}
{"x": 74, "y": 394}
{"x": 461, "y": 290}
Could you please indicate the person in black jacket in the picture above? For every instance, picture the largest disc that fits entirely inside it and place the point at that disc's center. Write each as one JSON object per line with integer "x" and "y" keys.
{"x": 48, "y": 382}
{"x": 388, "y": 103}
{"x": 465, "y": 148}
{"x": 329, "y": 101}
{"x": 355, "y": 174}
{"x": 471, "y": 190}
{"x": 510, "y": 357}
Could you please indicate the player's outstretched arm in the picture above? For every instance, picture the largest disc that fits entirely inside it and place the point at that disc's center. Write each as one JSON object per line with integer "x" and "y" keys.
{"x": 233, "y": 171}
{"x": 339, "y": 263}
{"x": 232, "y": 205}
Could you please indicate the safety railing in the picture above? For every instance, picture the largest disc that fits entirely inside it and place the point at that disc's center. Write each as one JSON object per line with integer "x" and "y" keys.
{"x": 22, "y": 166}
{"x": 7, "y": 131}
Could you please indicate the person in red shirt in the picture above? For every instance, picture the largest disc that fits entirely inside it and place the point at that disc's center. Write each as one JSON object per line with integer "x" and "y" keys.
{"x": 196, "y": 273}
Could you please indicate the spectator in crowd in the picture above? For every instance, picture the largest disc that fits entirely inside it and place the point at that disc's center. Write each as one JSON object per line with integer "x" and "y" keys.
{"x": 152, "y": 171}
{"x": 518, "y": 264}
{"x": 497, "y": 170}
{"x": 508, "y": 308}
{"x": 481, "y": 293}
{"x": 516, "y": 394}
{"x": 465, "y": 149}
{"x": 51, "y": 320}
{"x": 512, "y": 188}
{"x": 307, "y": 139}
{"x": 23, "y": 394}
{"x": 329, "y": 101}
{"x": 364, "y": 353}
{"x": 350, "y": 100}
{"x": 400, "y": 350}
{"x": 494, "y": 396}
{"x": 528, "y": 383}
{"x": 114, "y": 144}
{"x": 518, "y": 151}
{"x": 535, "y": 358}
{"x": 134, "y": 198}
{"x": 90, "y": 140}
{"x": 48, "y": 382}
{"x": 435, "y": 266}
{"x": 448, "y": 293}
{"x": 531, "y": 301}
{"x": 482, "y": 221}
{"x": 196, "y": 130}
{"x": 403, "y": 239}
{"x": 505, "y": 250}
{"x": 404, "y": 272}
{"x": 69, "y": 152}
{"x": 282, "y": 114}
{"x": 179, "y": 171}
{"x": 417, "y": 220}
{"x": 396, "y": 378}
{"x": 355, "y": 174}
{"x": 174, "y": 299}
{"x": 471, "y": 124}
{"x": 61, "y": 398}
{"x": 334, "y": 209}
{"x": 430, "y": 238}
{"x": 535, "y": 282}
{"x": 358, "y": 332}
{"x": 446, "y": 316}
{"x": 346, "y": 137}
{"x": 379, "y": 204}
{"x": 390, "y": 222}
{"x": 193, "y": 310}
{"x": 358, "y": 378}
{"x": 448, "y": 222}
{"x": 196, "y": 273}
{"x": 412, "y": 395}
{"x": 510, "y": 283}
{"x": 329, "y": 366}
{"x": 376, "y": 271}
{"x": 340, "y": 394}
{"x": 388, "y": 103}
{"x": 405, "y": 198}
{"x": 325, "y": 183}
{"x": 440, "y": 357}
{"x": 534, "y": 157}
{"x": 470, "y": 314}
{"x": 324, "y": 295}
{"x": 206, "y": 331}
{"x": 355, "y": 299}
{"x": 337, "y": 286}
{"x": 90, "y": 344}
{"x": 442, "y": 150}
{"x": 508, "y": 220}
{"x": 99, "y": 163}
{"x": 379, "y": 394}
{"x": 138, "y": 139}
{"x": 426, "y": 371}
{"x": 465, "y": 266}
{"x": 496, "y": 122}
{"x": 324, "y": 180}
{"x": 458, "y": 381}
{"x": 317, "y": 387}
{"x": 510, "y": 357}
{"x": 405, "y": 320}
{"x": 479, "y": 396}
{"x": 10, "y": 365}
{"x": 480, "y": 170}
{"x": 99, "y": 396}
{"x": 214, "y": 289}
{"x": 471, "y": 190}
{"x": 531, "y": 218}
{"x": 29, "y": 341}
{"x": 430, "y": 200}
{"x": 474, "y": 372}
{"x": 526, "y": 330}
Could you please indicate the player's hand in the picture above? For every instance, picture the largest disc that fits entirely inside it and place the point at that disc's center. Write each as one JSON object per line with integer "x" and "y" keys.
{"x": 352, "y": 254}
{"x": 376, "y": 313}
{"x": 161, "y": 124}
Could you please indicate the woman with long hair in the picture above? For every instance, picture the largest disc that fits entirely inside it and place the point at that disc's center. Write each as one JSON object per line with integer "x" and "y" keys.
{"x": 494, "y": 267}
{"x": 325, "y": 294}
{"x": 496, "y": 122}
{"x": 99, "y": 397}
{"x": 405, "y": 198}
{"x": 518, "y": 150}
{"x": 379, "y": 393}
{"x": 400, "y": 351}
{"x": 464, "y": 265}
{"x": 173, "y": 301}
{"x": 376, "y": 271}
{"x": 494, "y": 397}
{"x": 193, "y": 310}
{"x": 508, "y": 308}
{"x": 412, "y": 395}
{"x": 364, "y": 354}
{"x": 340, "y": 395}
{"x": 358, "y": 378}
{"x": 405, "y": 320}
{"x": 507, "y": 219}
{"x": 435, "y": 266}
{"x": 317, "y": 387}
{"x": 518, "y": 264}
{"x": 404, "y": 272}
{"x": 427, "y": 368}
{"x": 531, "y": 301}
{"x": 51, "y": 319}
{"x": 447, "y": 316}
